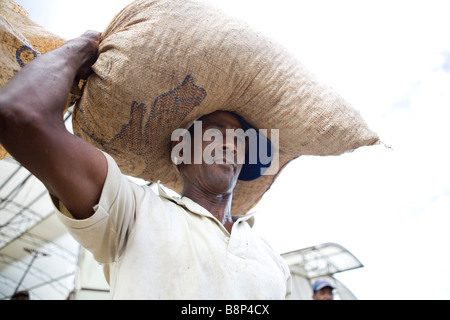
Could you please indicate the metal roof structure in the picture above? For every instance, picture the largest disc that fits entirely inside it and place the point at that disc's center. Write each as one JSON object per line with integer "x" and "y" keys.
{"x": 36, "y": 252}
{"x": 321, "y": 261}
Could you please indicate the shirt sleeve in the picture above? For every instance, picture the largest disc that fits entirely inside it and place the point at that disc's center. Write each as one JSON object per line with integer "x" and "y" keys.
{"x": 105, "y": 233}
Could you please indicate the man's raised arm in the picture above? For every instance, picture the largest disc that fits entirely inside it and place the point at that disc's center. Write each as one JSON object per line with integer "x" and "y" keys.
{"x": 32, "y": 128}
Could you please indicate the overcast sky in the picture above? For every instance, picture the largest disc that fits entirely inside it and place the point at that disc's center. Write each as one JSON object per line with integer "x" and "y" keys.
{"x": 388, "y": 206}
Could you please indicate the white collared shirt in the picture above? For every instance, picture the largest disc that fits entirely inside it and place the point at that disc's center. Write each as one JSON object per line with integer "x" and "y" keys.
{"x": 158, "y": 247}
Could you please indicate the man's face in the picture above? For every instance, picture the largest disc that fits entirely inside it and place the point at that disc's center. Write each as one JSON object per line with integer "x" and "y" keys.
{"x": 325, "y": 293}
{"x": 215, "y": 178}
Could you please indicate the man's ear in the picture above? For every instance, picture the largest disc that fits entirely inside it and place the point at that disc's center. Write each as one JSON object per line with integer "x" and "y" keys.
{"x": 174, "y": 143}
{"x": 176, "y": 153}
{"x": 181, "y": 147}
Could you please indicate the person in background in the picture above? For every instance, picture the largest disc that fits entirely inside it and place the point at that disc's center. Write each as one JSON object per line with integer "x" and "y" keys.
{"x": 322, "y": 290}
{"x": 21, "y": 295}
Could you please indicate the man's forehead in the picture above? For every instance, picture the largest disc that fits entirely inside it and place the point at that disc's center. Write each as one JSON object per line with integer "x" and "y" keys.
{"x": 221, "y": 119}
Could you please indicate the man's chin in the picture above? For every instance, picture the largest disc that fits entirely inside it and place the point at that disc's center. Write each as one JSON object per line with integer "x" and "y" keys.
{"x": 224, "y": 176}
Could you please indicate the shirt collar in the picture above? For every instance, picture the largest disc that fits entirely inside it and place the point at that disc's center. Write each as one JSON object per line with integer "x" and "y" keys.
{"x": 198, "y": 209}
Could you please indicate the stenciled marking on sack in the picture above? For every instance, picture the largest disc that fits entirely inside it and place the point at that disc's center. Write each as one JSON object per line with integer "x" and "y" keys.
{"x": 182, "y": 100}
{"x": 168, "y": 110}
{"x": 19, "y": 53}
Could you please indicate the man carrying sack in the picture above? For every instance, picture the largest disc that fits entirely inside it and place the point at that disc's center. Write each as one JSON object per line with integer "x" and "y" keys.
{"x": 155, "y": 246}
{"x": 172, "y": 81}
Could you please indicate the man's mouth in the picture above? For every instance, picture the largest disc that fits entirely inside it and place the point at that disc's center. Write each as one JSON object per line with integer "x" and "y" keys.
{"x": 225, "y": 161}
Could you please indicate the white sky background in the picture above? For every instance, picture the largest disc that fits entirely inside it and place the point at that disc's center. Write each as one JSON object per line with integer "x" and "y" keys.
{"x": 391, "y": 60}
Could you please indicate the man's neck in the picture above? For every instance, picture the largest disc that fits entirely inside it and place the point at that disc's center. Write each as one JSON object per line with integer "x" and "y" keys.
{"x": 218, "y": 205}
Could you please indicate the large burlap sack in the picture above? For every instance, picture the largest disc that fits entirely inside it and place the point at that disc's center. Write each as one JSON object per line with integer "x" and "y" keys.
{"x": 21, "y": 40}
{"x": 164, "y": 63}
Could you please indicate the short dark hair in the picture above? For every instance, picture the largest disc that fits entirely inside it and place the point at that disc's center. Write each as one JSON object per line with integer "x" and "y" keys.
{"x": 24, "y": 295}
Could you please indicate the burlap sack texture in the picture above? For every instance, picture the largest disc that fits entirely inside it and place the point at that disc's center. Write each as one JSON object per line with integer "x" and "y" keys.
{"x": 21, "y": 40}
{"x": 164, "y": 63}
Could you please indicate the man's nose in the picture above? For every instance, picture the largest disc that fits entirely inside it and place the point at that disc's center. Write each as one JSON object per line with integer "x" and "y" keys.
{"x": 229, "y": 151}
{"x": 229, "y": 147}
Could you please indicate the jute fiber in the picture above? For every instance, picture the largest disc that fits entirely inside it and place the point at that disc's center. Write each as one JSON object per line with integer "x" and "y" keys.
{"x": 21, "y": 40}
{"x": 165, "y": 63}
